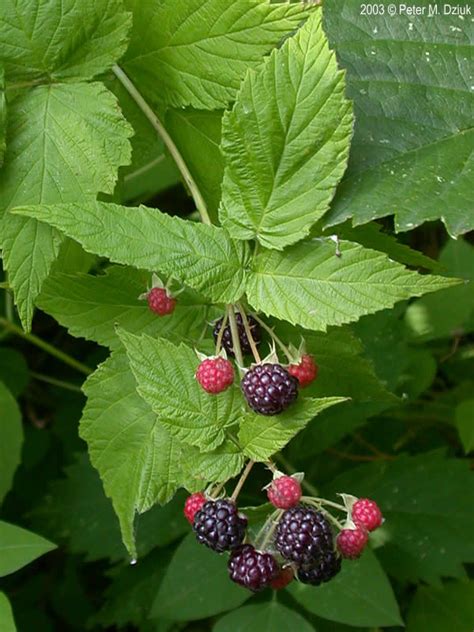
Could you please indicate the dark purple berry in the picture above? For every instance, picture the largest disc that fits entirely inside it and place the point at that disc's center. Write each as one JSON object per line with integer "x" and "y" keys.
{"x": 251, "y": 568}
{"x": 303, "y": 536}
{"x": 244, "y": 341}
{"x": 269, "y": 389}
{"x": 219, "y": 525}
{"x": 327, "y": 568}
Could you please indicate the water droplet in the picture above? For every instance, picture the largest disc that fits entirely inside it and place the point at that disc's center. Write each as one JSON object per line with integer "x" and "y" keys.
{"x": 133, "y": 561}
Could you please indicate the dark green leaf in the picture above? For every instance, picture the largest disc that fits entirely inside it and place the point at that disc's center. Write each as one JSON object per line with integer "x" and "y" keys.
{"x": 264, "y": 617}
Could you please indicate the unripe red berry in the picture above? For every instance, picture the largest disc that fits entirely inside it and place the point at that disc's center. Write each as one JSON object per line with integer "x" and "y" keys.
{"x": 351, "y": 542}
{"x": 160, "y": 302}
{"x": 215, "y": 374}
{"x": 282, "y": 580}
{"x": 284, "y": 492}
{"x": 192, "y": 505}
{"x": 306, "y": 371}
{"x": 366, "y": 512}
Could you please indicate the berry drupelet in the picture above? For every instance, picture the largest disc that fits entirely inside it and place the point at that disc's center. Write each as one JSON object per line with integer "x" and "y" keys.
{"x": 251, "y": 568}
{"x": 244, "y": 341}
{"x": 269, "y": 389}
{"x": 328, "y": 567}
{"x": 303, "y": 536}
{"x": 219, "y": 525}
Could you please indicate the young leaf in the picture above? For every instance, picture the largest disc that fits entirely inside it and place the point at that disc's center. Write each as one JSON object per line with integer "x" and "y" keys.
{"x": 42, "y": 42}
{"x": 93, "y": 306}
{"x": 360, "y": 595}
{"x": 204, "y": 257}
{"x": 269, "y": 616}
{"x": 19, "y": 547}
{"x": 428, "y": 504}
{"x": 412, "y": 94}
{"x": 11, "y": 439}
{"x": 196, "y": 585}
{"x": 217, "y": 466}
{"x": 286, "y": 142}
{"x": 310, "y": 286}
{"x": 138, "y": 461}
{"x": 465, "y": 424}
{"x": 165, "y": 379}
{"x": 439, "y": 609}
{"x": 198, "y": 51}
{"x": 260, "y": 438}
{"x": 7, "y": 622}
{"x": 66, "y": 142}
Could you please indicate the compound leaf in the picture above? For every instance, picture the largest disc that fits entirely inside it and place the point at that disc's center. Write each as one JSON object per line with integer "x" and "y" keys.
{"x": 286, "y": 142}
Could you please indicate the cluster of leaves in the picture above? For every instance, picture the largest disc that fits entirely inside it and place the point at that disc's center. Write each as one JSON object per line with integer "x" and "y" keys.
{"x": 253, "y": 106}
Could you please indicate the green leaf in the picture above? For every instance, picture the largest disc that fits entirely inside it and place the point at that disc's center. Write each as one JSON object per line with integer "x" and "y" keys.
{"x": 428, "y": 318}
{"x": 64, "y": 515}
{"x": 138, "y": 462}
{"x": 198, "y": 51}
{"x": 261, "y": 437}
{"x": 66, "y": 142}
{"x": 199, "y": 468}
{"x": 13, "y": 370}
{"x": 7, "y": 622}
{"x": 197, "y": 135}
{"x": 264, "y": 617}
{"x": 428, "y": 504}
{"x": 439, "y": 609}
{"x": 360, "y": 595}
{"x": 19, "y": 547}
{"x": 409, "y": 78}
{"x": 310, "y": 286}
{"x": 465, "y": 424}
{"x": 196, "y": 585}
{"x": 3, "y": 116}
{"x": 202, "y": 256}
{"x": 11, "y": 439}
{"x": 93, "y": 306}
{"x": 165, "y": 379}
{"x": 42, "y": 42}
{"x": 286, "y": 142}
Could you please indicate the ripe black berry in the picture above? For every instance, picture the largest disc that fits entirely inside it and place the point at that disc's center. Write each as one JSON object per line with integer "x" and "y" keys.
{"x": 251, "y": 568}
{"x": 244, "y": 341}
{"x": 269, "y": 389}
{"x": 219, "y": 526}
{"x": 303, "y": 536}
{"x": 327, "y": 568}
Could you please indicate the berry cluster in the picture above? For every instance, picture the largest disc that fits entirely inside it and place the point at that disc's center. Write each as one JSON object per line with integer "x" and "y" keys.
{"x": 296, "y": 541}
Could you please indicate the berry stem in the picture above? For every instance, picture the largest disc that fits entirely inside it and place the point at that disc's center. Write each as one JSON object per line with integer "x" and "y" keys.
{"x": 221, "y": 333}
{"x": 323, "y": 501}
{"x": 168, "y": 141}
{"x": 45, "y": 346}
{"x": 242, "y": 480}
{"x": 245, "y": 322}
{"x": 317, "y": 505}
{"x": 274, "y": 337}
{"x": 216, "y": 491}
{"x": 268, "y": 530}
{"x": 235, "y": 337}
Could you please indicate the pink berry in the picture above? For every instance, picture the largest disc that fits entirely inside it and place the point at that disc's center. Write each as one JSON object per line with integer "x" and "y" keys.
{"x": 284, "y": 578}
{"x": 215, "y": 374}
{"x": 366, "y": 512}
{"x": 306, "y": 371}
{"x": 192, "y": 505}
{"x": 284, "y": 492}
{"x": 160, "y": 302}
{"x": 351, "y": 542}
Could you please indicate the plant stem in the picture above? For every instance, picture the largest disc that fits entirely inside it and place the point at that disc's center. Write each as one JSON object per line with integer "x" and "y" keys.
{"x": 221, "y": 333}
{"x": 323, "y": 501}
{"x": 168, "y": 141}
{"x": 274, "y": 337}
{"x": 216, "y": 491}
{"x": 235, "y": 337}
{"x": 242, "y": 480}
{"x": 38, "y": 342}
{"x": 52, "y": 380}
{"x": 268, "y": 530}
{"x": 245, "y": 322}
{"x": 291, "y": 469}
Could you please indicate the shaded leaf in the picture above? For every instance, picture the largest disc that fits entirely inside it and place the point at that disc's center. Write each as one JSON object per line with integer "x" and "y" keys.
{"x": 464, "y": 421}
{"x": 439, "y": 609}
{"x": 7, "y": 622}
{"x": 11, "y": 439}
{"x": 19, "y": 547}
{"x": 269, "y": 616}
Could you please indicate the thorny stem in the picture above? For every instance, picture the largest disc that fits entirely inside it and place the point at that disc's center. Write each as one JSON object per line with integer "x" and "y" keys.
{"x": 274, "y": 337}
{"x": 235, "y": 337}
{"x": 245, "y": 322}
{"x": 291, "y": 469}
{"x": 38, "y": 342}
{"x": 221, "y": 333}
{"x": 168, "y": 141}
{"x": 242, "y": 480}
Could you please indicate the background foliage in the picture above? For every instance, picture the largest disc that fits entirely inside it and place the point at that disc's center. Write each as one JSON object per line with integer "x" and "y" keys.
{"x": 102, "y": 425}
